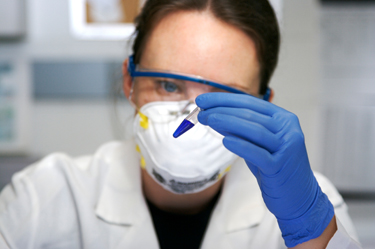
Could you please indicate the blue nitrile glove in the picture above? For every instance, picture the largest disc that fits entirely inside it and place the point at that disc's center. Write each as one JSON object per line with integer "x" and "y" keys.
{"x": 270, "y": 140}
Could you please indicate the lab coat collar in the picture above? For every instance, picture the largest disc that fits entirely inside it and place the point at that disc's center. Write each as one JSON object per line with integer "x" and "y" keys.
{"x": 241, "y": 205}
{"x": 121, "y": 202}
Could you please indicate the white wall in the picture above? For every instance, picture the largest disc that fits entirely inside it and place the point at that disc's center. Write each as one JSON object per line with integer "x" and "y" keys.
{"x": 348, "y": 91}
{"x": 78, "y": 126}
{"x": 81, "y": 126}
{"x": 296, "y": 81}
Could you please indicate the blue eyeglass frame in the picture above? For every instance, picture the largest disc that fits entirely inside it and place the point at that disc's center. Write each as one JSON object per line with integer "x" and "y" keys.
{"x": 132, "y": 69}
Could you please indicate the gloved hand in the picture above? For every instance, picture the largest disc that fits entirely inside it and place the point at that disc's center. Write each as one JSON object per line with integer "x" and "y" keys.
{"x": 270, "y": 140}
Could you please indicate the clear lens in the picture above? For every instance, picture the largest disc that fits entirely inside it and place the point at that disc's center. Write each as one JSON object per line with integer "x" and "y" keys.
{"x": 158, "y": 89}
{"x": 166, "y": 89}
{"x": 153, "y": 89}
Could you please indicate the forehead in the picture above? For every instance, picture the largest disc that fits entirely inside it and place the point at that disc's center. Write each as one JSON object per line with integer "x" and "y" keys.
{"x": 198, "y": 43}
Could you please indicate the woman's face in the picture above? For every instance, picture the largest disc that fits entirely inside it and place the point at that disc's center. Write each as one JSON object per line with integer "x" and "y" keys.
{"x": 197, "y": 43}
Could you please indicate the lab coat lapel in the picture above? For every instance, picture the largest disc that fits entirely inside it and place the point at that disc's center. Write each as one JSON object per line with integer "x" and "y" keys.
{"x": 240, "y": 207}
{"x": 122, "y": 202}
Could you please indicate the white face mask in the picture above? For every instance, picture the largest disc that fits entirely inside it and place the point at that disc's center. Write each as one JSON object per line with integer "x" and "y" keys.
{"x": 188, "y": 164}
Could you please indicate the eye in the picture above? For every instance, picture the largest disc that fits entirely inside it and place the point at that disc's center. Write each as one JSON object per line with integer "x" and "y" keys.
{"x": 168, "y": 86}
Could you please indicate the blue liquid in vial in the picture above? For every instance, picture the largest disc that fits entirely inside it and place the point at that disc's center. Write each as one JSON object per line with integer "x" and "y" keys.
{"x": 184, "y": 127}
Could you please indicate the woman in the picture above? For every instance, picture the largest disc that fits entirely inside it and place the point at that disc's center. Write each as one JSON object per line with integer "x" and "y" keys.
{"x": 199, "y": 190}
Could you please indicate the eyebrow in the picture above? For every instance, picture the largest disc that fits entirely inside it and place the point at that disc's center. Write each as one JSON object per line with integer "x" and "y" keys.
{"x": 179, "y": 81}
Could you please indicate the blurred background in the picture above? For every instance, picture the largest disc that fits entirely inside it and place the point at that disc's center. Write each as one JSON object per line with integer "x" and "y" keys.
{"x": 60, "y": 76}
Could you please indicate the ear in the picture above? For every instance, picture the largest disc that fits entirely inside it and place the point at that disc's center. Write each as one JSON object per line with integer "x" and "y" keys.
{"x": 272, "y": 94}
{"x": 127, "y": 79}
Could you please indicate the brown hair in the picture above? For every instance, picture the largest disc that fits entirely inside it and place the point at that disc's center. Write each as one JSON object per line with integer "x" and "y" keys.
{"x": 254, "y": 17}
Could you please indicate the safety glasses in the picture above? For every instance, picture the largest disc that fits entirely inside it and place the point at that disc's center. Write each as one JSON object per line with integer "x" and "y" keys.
{"x": 136, "y": 72}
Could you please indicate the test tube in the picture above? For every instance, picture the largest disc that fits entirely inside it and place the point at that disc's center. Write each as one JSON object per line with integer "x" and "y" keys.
{"x": 187, "y": 123}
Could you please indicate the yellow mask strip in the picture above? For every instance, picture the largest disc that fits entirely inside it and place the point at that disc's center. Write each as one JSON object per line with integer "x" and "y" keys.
{"x": 224, "y": 172}
{"x": 143, "y": 122}
{"x": 142, "y": 161}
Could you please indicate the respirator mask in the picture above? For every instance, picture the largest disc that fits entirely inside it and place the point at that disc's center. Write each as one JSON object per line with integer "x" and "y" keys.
{"x": 189, "y": 164}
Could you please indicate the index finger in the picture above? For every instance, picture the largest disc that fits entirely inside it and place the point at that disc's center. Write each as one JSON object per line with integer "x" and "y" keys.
{"x": 217, "y": 99}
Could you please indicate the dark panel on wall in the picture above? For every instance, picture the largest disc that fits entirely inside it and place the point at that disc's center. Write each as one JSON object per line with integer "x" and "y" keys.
{"x": 73, "y": 79}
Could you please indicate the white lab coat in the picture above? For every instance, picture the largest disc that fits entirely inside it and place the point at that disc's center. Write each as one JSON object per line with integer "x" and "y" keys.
{"x": 97, "y": 202}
